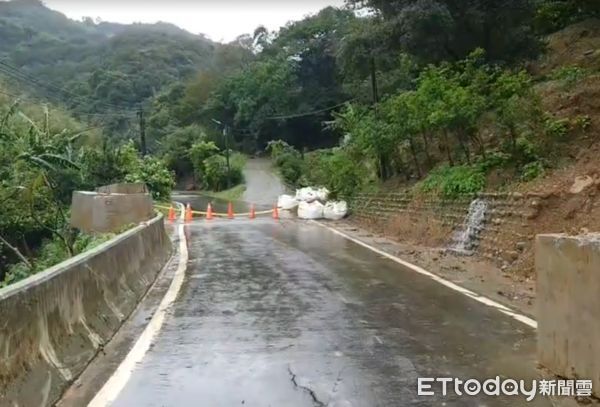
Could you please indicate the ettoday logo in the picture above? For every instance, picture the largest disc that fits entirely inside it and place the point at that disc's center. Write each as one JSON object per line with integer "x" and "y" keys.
{"x": 429, "y": 386}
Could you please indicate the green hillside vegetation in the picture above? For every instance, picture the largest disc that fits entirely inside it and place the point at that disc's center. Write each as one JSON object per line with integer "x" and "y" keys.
{"x": 45, "y": 154}
{"x": 409, "y": 87}
{"x": 69, "y": 97}
{"x": 95, "y": 68}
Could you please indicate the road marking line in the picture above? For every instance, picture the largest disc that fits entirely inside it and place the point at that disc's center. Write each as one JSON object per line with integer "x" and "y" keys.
{"x": 484, "y": 300}
{"x": 113, "y": 387}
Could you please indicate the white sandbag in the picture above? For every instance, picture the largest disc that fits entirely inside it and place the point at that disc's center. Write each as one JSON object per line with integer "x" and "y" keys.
{"x": 312, "y": 210}
{"x": 322, "y": 194}
{"x": 335, "y": 210}
{"x": 306, "y": 194}
{"x": 287, "y": 202}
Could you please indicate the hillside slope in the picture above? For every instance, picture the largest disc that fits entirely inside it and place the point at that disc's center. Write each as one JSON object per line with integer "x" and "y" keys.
{"x": 565, "y": 198}
{"x": 103, "y": 63}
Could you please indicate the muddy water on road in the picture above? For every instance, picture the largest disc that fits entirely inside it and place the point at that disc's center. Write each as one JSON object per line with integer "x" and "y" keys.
{"x": 289, "y": 314}
{"x": 263, "y": 185}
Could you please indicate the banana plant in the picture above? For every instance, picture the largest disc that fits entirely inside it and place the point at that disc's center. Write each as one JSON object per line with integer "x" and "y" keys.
{"x": 41, "y": 156}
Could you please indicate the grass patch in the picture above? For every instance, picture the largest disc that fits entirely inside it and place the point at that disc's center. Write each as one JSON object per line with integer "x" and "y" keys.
{"x": 232, "y": 194}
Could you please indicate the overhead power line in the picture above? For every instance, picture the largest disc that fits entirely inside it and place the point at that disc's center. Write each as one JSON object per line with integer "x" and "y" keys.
{"x": 75, "y": 112}
{"x": 49, "y": 87}
{"x": 57, "y": 92}
{"x": 311, "y": 113}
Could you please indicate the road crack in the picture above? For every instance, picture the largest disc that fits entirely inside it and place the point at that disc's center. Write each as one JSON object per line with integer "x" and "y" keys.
{"x": 310, "y": 391}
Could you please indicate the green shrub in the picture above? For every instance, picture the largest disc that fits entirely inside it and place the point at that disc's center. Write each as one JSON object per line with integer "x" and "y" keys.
{"x": 553, "y": 15}
{"x": 290, "y": 167}
{"x": 556, "y": 128}
{"x": 87, "y": 242}
{"x": 496, "y": 159}
{"x": 52, "y": 252}
{"x": 16, "y": 272}
{"x": 199, "y": 152}
{"x": 215, "y": 171}
{"x": 278, "y": 147}
{"x": 532, "y": 170}
{"x": 452, "y": 182}
{"x": 287, "y": 159}
{"x": 215, "y": 175}
{"x": 526, "y": 150}
{"x": 210, "y": 166}
{"x": 237, "y": 162}
{"x": 155, "y": 174}
{"x": 335, "y": 170}
{"x": 582, "y": 122}
{"x": 569, "y": 75}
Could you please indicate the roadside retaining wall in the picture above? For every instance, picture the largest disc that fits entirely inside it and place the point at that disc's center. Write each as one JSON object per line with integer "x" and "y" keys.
{"x": 568, "y": 305}
{"x": 53, "y": 323}
{"x": 507, "y": 231}
{"x": 506, "y": 236}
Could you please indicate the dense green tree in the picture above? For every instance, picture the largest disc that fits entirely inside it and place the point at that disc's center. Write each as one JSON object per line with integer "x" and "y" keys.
{"x": 552, "y": 15}
{"x": 101, "y": 68}
{"x": 44, "y": 156}
{"x": 296, "y": 72}
{"x": 436, "y": 30}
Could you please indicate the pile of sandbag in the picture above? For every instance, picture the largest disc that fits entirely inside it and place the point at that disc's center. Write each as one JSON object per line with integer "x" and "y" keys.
{"x": 287, "y": 202}
{"x": 310, "y": 194}
{"x": 335, "y": 210}
{"x": 312, "y": 204}
{"x": 310, "y": 210}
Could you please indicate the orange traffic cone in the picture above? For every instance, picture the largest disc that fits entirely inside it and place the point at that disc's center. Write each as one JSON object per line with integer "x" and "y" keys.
{"x": 275, "y": 212}
{"x": 252, "y": 212}
{"x": 171, "y": 214}
{"x": 230, "y": 211}
{"x": 188, "y": 213}
{"x": 209, "y": 213}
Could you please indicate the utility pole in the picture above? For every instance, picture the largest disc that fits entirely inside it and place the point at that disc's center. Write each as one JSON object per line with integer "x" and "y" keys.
{"x": 374, "y": 82}
{"x": 375, "y": 91}
{"x": 142, "y": 132}
{"x": 226, "y": 135}
{"x": 226, "y": 139}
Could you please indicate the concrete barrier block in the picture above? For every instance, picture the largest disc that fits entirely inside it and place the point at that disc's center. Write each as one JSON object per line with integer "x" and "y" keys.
{"x": 568, "y": 305}
{"x": 103, "y": 213}
{"x": 82, "y": 206}
{"x": 123, "y": 188}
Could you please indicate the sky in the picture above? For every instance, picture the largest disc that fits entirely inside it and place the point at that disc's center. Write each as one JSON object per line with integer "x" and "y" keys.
{"x": 220, "y": 20}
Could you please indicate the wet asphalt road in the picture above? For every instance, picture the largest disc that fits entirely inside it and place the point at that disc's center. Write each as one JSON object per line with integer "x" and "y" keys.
{"x": 289, "y": 314}
{"x": 263, "y": 186}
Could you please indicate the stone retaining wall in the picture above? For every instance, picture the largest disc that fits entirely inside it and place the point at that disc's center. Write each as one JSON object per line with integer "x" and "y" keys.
{"x": 53, "y": 323}
{"x": 507, "y": 231}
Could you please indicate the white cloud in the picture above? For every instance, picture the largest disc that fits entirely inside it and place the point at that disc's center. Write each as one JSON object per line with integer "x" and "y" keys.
{"x": 220, "y": 20}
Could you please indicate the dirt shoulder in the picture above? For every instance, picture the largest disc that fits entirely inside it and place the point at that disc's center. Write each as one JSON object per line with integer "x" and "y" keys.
{"x": 472, "y": 273}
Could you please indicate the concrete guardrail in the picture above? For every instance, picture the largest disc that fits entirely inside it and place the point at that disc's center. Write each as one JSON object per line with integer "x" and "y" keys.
{"x": 52, "y": 324}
